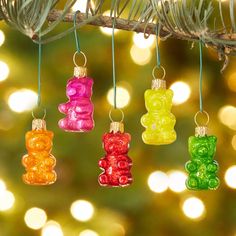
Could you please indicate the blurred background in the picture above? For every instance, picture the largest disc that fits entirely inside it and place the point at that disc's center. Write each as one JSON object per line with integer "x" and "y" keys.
{"x": 157, "y": 203}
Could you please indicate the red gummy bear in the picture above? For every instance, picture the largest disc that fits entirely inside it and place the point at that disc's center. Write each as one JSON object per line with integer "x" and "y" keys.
{"x": 116, "y": 164}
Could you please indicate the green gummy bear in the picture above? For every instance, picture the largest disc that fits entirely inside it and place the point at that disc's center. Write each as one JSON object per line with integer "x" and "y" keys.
{"x": 202, "y": 168}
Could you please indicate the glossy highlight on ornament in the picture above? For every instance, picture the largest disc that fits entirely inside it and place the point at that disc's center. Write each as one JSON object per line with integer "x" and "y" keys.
{"x": 39, "y": 162}
{"x": 202, "y": 169}
{"x": 79, "y": 109}
{"x": 116, "y": 164}
{"x": 159, "y": 121}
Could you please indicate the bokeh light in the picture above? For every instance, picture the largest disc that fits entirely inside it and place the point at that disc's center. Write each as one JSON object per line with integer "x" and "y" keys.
{"x": 141, "y": 42}
{"x": 181, "y": 91}
{"x": 4, "y": 71}
{"x": 81, "y": 5}
{"x": 193, "y": 208}
{"x": 88, "y": 232}
{"x": 231, "y": 81}
{"x": 122, "y": 97}
{"x": 177, "y": 181}
{"x": 2, "y": 38}
{"x": 7, "y": 200}
{"x": 227, "y": 116}
{"x": 82, "y": 210}
{"x": 233, "y": 142}
{"x": 3, "y": 186}
{"x": 35, "y": 218}
{"x": 230, "y": 177}
{"x": 22, "y": 100}
{"x": 52, "y": 228}
{"x": 140, "y": 56}
{"x": 158, "y": 181}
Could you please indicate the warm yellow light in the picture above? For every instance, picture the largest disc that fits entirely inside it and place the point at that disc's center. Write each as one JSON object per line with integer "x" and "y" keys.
{"x": 3, "y": 186}
{"x": 7, "y": 200}
{"x": 230, "y": 177}
{"x": 227, "y": 115}
{"x": 82, "y": 210}
{"x": 81, "y": 5}
{"x": 2, "y": 37}
{"x": 177, "y": 181}
{"x": 193, "y": 208}
{"x": 35, "y": 218}
{"x": 106, "y": 30}
{"x": 122, "y": 97}
{"x": 181, "y": 91}
{"x": 4, "y": 71}
{"x": 52, "y": 228}
{"x": 231, "y": 81}
{"x": 140, "y": 56}
{"x": 22, "y": 100}
{"x": 158, "y": 181}
{"x": 233, "y": 142}
{"x": 141, "y": 42}
{"x": 88, "y": 232}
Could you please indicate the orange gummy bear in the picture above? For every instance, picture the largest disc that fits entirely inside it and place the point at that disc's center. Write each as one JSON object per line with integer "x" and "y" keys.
{"x": 39, "y": 162}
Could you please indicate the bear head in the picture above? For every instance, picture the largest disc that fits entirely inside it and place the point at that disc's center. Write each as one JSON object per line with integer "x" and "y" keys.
{"x": 116, "y": 143}
{"x": 202, "y": 147}
{"x": 157, "y": 100}
{"x": 39, "y": 140}
{"x": 79, "y": 88}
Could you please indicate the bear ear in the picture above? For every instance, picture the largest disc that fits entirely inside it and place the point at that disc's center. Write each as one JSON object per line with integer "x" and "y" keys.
{"x": 212, "y": 138}
{"x": 106, "y": 136}
{"x": 28, "y": 135}
{"x": 147, "y": 93}
{"x": 50, "y": 134}
{"x": 127, "y": 136}
{"x": 169, "y": 93}
{"x": 191, "y": 139}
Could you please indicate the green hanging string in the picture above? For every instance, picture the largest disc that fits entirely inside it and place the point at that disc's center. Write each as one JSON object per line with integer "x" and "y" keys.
{"x": 76, "y": 34}
{"x": 158, "y": 27}
{"x": 113, "y": 62}
{"x": 39, "y": 71}
{"x": 200, "y": 77}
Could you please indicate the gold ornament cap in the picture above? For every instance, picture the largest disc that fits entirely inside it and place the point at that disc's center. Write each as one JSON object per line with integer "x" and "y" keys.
{"x": 38, "y": 124}
{"x": 116, "y": 127}
{"x": 158, "y": 84}
{"x": 201, "y": 131}
{"x": 80, "y": 71}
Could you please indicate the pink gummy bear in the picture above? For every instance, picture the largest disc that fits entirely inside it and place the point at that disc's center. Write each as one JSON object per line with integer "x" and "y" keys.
{"x": 79, "y": 108}
{"x": 116, "y": 164}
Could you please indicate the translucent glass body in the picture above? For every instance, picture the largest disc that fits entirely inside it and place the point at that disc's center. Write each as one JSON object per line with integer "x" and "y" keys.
{"x": 202, "y": 168}
{"x": 116, "y": 164}
{"x": 159, "y": 121}
{"x": 79, "y": 108}
{"x": 39, "y": 162}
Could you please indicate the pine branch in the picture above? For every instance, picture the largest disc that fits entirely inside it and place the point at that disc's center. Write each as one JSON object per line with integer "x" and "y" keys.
{"x": 150, "y": 28}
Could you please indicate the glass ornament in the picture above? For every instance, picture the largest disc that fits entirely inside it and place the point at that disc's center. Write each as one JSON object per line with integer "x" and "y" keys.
{"x": 79, "y": 109}
{"x": 39, "y": 162}
{"x": 116, "y": 164}
{"x": 158, "y": 121}
{"x": 202, "y": 168}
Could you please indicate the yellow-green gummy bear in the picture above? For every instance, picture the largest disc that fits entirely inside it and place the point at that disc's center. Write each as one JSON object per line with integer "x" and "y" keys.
{"x": 159, "y": 121}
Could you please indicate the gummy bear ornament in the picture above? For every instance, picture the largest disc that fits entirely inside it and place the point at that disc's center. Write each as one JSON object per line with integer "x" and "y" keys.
{"x": 39, "y": 162}
{"x": 116, "y": 164}
{"x": 202, "y": 169}
{"x": 158, "y": 121}
{"x": 79, "y": 108}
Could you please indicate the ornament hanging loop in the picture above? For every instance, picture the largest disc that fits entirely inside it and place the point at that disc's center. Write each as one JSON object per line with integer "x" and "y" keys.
{"x": 44, "y": 114}
{"x": 74, "y": 58}
{"x": 197, "y": 115}
{"x": 122, "y": 114}
{"x": 156, "y": 69}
